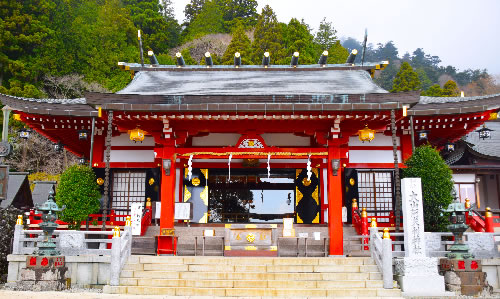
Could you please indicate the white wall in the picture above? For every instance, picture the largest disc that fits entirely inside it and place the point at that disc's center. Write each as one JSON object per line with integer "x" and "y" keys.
{"x": 124, "y": 140}
{"x": 372, "y": 156}
{"x": 132, "y": 156}
{"x": 380, "y": 140}
{"x": 464, "y": 177}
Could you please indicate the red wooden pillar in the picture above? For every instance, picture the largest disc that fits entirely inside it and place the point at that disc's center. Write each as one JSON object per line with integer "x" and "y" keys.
{"x": 167, "y": 193}
{"x": 335, "y": 228}
{"x": 488, "y": 221}
{"x": 406, "y": 149}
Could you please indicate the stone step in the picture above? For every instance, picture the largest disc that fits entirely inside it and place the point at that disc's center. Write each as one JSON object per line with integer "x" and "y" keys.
{"x": 221, "y": 283}
{"x": 250, "y": 275}
{"x": 253, "y": 292}
{"x": 200, "y": 260}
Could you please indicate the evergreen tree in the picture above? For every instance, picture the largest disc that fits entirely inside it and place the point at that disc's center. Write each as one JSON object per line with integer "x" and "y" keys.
{"x": 386, "y": 77}
{"x": 433, "y": 91}
{"x": 450, "y": 89}
{"x": 267, "y": 37}
{"x": 437, "y": 185}
{"x": 406, "y": 79}
{"x": 23, "y": 31}
{"x": 424, "y": 79}
{"x": 208, "y": 21}
{"x": 234, "y": 11}
{"x": 160, "y": 30}
{"x": 239, "y": 43}
{"x": 326, "y": 35}
{"x": 337, "y": 54}
{"x": 192, "y": 10}
{"x": 297, "y": 38}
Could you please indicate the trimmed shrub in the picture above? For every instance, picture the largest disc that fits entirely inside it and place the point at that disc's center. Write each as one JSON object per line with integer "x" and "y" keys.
{"x": 79, "y": 192}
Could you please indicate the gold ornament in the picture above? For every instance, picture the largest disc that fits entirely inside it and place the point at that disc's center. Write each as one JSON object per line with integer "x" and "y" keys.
{"x": 19, "y": 220}
{"x": 386, "y": 233}
{"x": 352, "y": 181}
{"x": 100, "y": 181}
{"x": 196, "y": 182}
{"x": 116, "y": 232}
{"x": 354, "y": 203}
{"x": 366, "y": 134}
{"x": 148, "y": 202}
{"x": 128, "y": 222}
{"x": 306, "y": 182}
{"x": 137, "y": 135}
{"x": 250, "y": 237}
{"x": 151, "y": 181}
{"x": 373, "y": 223}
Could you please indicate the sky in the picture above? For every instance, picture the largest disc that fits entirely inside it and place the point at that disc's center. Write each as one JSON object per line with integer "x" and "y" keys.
{"x": 463, "y": 33}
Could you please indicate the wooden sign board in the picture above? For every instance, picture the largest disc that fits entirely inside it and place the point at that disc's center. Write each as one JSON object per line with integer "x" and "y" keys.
{"x": 183, "y": 211}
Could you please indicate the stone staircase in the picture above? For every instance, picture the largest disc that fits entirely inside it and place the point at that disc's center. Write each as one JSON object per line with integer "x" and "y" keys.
{"x": 251, "y": 277}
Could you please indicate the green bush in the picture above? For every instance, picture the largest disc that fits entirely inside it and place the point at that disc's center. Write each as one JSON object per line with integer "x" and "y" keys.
{"x": 437, "y": 185}
{"x": 79, "y": 192}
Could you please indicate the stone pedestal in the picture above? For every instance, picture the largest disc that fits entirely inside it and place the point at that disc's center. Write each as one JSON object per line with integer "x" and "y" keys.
{"x": 464, "y": 277}
{"x": 419, "y": 276}
{"x": 43, "y": 273}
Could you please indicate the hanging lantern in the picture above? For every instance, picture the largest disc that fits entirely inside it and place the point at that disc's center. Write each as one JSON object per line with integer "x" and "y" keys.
{"x": 423, "y": 135}
{"x": 58, "y": 147}
{"x": 137, "y": 135}
{"x": 449, "y": 147}
{"x": 484, "y": 132}
{"x": 24, "y": 133}
{"x": 100, "y": 181}
{"x": 83, "y": 135}
{"x": 366, "y": 134}
{"x": 82, "y": 160}
{"x": 151, "y": 181}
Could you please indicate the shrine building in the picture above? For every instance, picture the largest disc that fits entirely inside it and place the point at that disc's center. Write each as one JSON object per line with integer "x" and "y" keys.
{"x": 253, "y": 144}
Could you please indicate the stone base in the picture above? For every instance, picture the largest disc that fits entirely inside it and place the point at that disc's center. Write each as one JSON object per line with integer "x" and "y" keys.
{"x": 418, "y": 276}
{"x": 466, "y": 283}
{"x": 423, "y": 286}
{"x": 42, "y": 279}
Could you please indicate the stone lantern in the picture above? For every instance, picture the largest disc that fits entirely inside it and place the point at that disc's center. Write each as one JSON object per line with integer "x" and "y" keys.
{"x": 48, "y": 210}
{"x": 459, "y": 250}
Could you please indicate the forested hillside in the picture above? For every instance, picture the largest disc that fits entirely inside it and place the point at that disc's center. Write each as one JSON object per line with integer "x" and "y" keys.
{"x": 60, "y": 48}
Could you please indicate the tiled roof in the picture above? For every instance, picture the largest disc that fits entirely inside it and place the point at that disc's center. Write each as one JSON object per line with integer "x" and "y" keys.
{"x": 488, "y": 147}
{"x": 253, "y": 82}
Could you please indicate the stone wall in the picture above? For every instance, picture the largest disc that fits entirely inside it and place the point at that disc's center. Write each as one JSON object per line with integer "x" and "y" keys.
{"x": 85, "y": 271}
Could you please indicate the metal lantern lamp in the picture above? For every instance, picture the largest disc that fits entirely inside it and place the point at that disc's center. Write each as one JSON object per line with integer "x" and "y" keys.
{"x": 83, "y": 135}
{"x": 484, "y": 132}
{"x": 423, "y": 135}
{"x": 82, "y": 160}
{"x": 366, "y": 134}
{"x": 137, "y": 135}
{"x": 459, "y": 249}
{"x": 58, "y": 147}
{"x": 449, "y": 147}
{"x": 24, "y": 133}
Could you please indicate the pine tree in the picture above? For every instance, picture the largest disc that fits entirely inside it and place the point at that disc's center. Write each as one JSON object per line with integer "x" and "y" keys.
{"x": 192, "y": 10}
{"x": 267, "y": 37}
{"x": 337, "y": 54}
{"x": 239, "y": 43}
{"x": 235, "y": 11}
{"x": 450, "y": 89}
{"x": 406, "y": 79}
{"x": 326, "y": 35}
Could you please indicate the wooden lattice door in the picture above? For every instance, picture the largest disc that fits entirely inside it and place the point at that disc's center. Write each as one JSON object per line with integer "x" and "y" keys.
{"x": 128, "y": 187}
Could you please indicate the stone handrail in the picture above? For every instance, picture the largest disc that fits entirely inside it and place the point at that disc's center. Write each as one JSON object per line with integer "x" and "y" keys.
{"x": 381, "y": 252}
{"x": 121, "y": 249}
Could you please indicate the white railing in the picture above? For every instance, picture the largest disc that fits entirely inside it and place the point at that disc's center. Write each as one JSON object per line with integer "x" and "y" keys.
{"x": 381, "y": 252}
{"x": 72, "y": 243}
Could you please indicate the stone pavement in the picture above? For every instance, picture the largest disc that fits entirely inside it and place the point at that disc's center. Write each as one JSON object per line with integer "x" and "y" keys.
{"x": 7, "y": 294}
